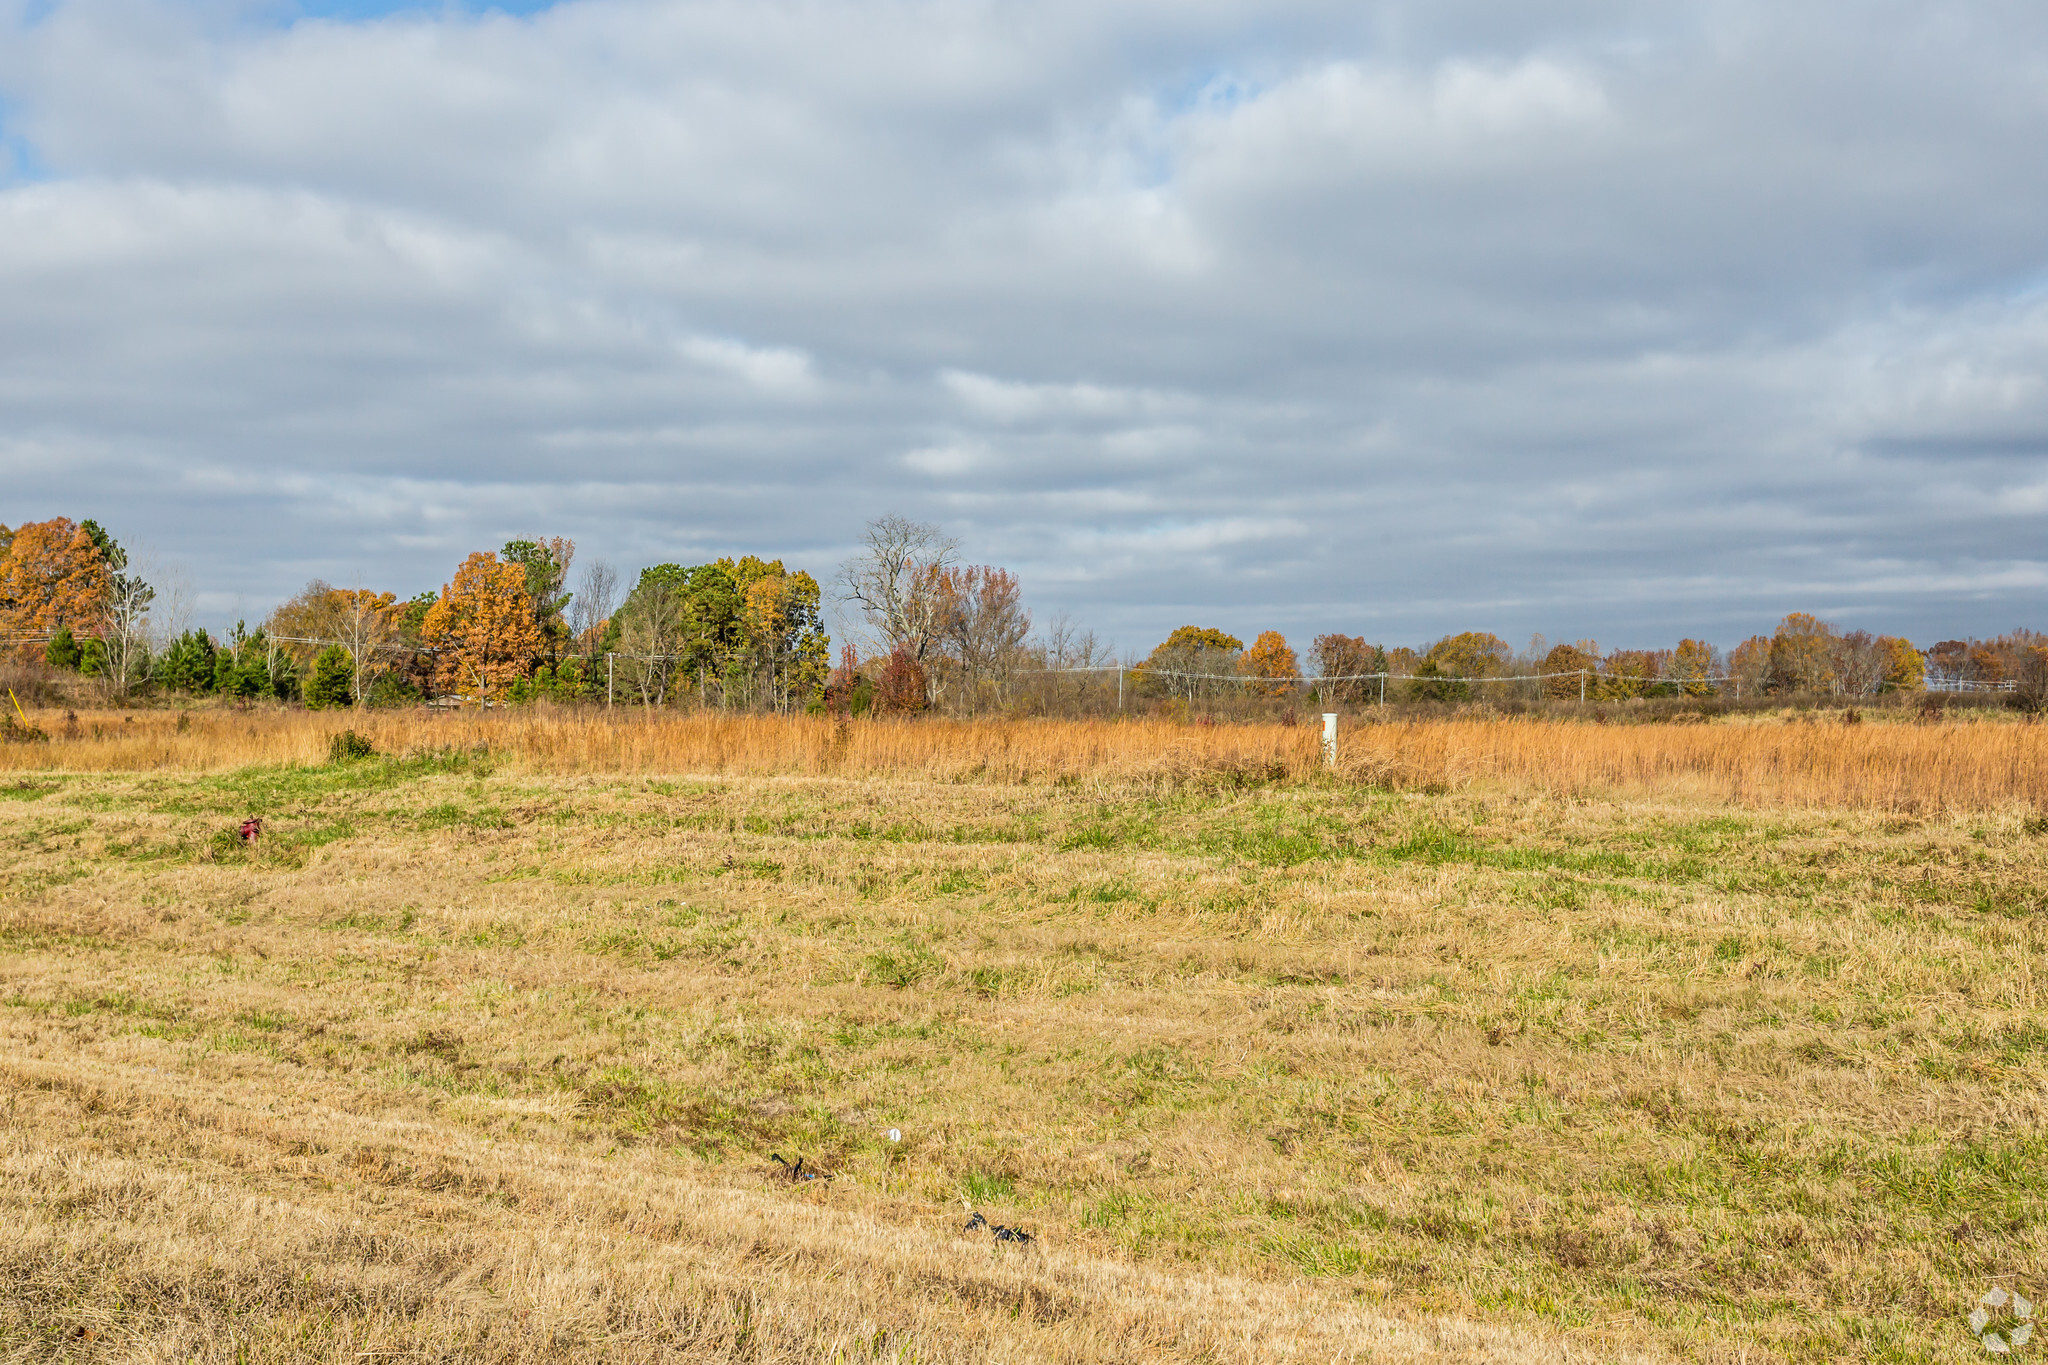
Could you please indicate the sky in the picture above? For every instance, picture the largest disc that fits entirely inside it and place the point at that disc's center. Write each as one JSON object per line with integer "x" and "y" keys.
{"x": 1598, "y": 320}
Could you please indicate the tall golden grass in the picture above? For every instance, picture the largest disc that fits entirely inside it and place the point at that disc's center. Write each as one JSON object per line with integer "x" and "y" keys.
{"x": 1903, "y": 766}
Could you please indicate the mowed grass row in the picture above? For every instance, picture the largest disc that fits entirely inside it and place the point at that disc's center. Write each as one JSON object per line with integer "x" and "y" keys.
{"x": 1637, "y": 1074}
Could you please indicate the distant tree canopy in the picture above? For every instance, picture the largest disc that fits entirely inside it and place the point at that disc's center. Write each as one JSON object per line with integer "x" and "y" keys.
{"x": 747, "y": 633}
{"x": 546, "y": 566}
{"x": 482, "y": 630}
{"x": 55, "y": 576}
{"x": 1571, "y": 669}
{"x": 1693, "y": 666}
{"x": 1194, "y": 661}
{"x": 982, "y": 629}
{"x": 367, "y": 626}
{"x": 188, "y": 665}
{"x": 1341, "y": 663}
{"x": 332, "y": 683}
{"x": 1271, "y": 658}
{"x": 1470, "y": 654}
{"x": 1457, "y": 658}
{"x": 734, "y": 632}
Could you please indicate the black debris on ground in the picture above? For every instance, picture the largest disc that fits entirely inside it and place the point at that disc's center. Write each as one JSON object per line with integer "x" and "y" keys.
{"x": 1002, "y": 1234}
{"x": 797, "y": 1172}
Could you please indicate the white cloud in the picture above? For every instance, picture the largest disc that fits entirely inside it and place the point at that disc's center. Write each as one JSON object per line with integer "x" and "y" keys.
{"x": 946, "y": 461}
{"x": 775, "y": 369}
{"x": 1009, "y": 400}
{"x": 1483, "y": 315}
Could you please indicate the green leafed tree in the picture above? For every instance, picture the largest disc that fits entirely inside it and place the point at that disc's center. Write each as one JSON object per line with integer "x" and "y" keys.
{"x": 250, "y": 668}
{"x": 332, "y": 683}
{"x": 677, "y": 631}
{"x": 188, "y": 664}
{"x": 63, "y": 651}
{"x": 546, "y": 564}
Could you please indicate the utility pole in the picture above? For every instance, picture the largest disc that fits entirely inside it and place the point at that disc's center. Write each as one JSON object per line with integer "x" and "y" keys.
{"x": 608, "y": 680}
{"x": 1582, "y": 687}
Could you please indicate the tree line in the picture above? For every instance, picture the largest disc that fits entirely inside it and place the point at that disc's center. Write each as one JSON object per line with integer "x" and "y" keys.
{"x": 930, "y": 632}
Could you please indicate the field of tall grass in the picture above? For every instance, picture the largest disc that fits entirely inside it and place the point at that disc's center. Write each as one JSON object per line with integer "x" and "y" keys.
{"x": 1899, "y": 763}
{"x": 1508, "y": 1041}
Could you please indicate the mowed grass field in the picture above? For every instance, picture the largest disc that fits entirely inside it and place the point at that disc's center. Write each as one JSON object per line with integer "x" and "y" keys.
{"x": 470, "y": 1060}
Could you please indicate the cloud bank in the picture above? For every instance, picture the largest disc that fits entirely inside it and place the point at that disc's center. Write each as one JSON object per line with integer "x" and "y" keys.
{"x": 1396, "y": 319}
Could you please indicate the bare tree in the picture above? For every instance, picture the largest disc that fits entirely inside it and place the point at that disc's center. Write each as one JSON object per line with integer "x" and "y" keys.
{"x": 1861, "y": 663}
{"x": 595, "y": 600}
{"x": 985, "y": 624}
{"x": 1077, "y": 666}
{"x": 898, "y": 582}
{"x": 1341, "y": 663}
{"x": 126, "y": 629}
{"x": 366, "y": 624}
{"x": 171, "y": 614}
{"x": 653, "y": 629}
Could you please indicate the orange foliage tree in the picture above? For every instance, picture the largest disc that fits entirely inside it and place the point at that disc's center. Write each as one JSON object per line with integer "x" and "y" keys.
{"x": 1572, "y": 669}
{"x": 53, "y": 577}
{"x": 1270, "y": 658}
{"x": 482, "y": 629}
{"x": 362, "y": 622}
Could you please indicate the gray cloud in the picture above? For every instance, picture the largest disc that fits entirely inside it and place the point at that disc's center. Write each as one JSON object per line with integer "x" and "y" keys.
{"x": 1398, "y": 319}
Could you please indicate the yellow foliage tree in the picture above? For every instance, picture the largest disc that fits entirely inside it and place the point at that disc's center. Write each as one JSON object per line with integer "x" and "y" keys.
{"x": 1270, "y": 658}
{"x": 1181, "y": 662}
{"x": 1470, "y": 654}
{"x": 1692, "y": 667}
{"x": 483, "y": 630}
{"x": 53, "y": 577}
{"x": 1628, "y": 673}
{"x": 1905, "y": 667}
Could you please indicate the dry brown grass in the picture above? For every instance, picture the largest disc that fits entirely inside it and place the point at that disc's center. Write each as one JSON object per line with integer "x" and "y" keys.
{"x": 477, "y": 1056}
{"x": 1795, "y": 759}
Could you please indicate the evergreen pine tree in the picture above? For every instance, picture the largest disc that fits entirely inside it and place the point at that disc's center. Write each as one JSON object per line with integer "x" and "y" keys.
{"x": 189, "y": 664}
{"x": 332, "y": 683}
{"x": 63, "y": 651}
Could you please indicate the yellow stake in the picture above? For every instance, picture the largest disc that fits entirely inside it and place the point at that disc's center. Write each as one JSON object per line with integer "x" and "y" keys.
{"x": 17, "y": 708}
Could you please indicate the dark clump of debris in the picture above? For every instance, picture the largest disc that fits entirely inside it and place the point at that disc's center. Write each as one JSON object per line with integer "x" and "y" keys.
{"x": 15, "y": 727}
{"x": 797, "y": 1173}
{"x": 1003, "y": 1234}
{"x": 349, "y": 747}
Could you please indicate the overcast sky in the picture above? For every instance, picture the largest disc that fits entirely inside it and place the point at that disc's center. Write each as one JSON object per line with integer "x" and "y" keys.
{"x": 1592, "y": 319}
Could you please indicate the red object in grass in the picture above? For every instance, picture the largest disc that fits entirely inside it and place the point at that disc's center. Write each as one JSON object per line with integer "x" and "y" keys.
{"x": 251, "y": 828}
